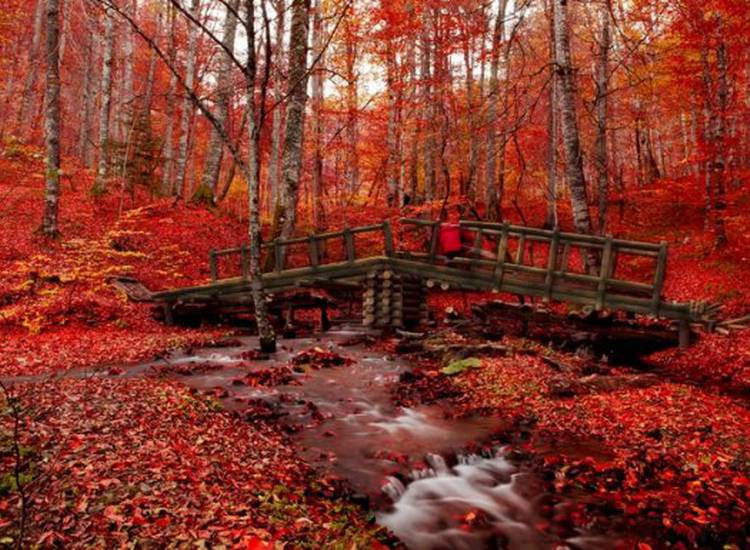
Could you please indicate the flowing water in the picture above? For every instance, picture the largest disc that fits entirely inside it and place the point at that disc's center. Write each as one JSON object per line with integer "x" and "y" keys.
{"x": 406, "y": 462}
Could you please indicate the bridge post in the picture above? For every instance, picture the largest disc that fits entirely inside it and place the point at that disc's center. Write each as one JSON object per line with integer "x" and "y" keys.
{"x": 684, "y": 334}
{"x": 212, "y": 265}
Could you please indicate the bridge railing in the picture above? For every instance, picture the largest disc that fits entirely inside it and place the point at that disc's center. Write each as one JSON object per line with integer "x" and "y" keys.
{"x": 320, "y": 249}
{"x": 552, "y": 262}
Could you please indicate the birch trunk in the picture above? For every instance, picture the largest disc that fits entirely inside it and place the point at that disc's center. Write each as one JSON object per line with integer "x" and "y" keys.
{"x": 100, "y": 182}
{"x": 720, "y": 144}
{"x": 168, "y": 152}
{"x": 52, "y": 121}
{"x": 127, "y": 93}
{"x": 24, "y": 120}
{"x": 265, "y": 329}
{"x": 274, "y": 182}
{"x": 352, "y": 107}
{"x": 427, "y": 112}
{"x": 214, "y": 153}
{"x": 470, "y": 185}
{"x": 569, "y": 127}
{"x": 186, "y": 115}
{"x": 318, "y": 213}
{"x": 291, "y": 161}
{"x": 551, "y": 220}
{"x": 87, "y": 103}
{"x": 552, "y": 132}
{"x": 491, "y": 194}
{"x": 600, "y": 106}
{"x": 392, "y": 163}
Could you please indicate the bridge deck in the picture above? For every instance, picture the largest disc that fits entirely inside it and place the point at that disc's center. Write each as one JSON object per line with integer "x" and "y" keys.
{"x": 502, "y": 259}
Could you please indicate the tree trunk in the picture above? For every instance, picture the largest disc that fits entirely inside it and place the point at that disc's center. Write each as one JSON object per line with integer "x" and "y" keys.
{"x": 186, "y": 115}
{"x": 24, "y": 120}
{"x": 52, "y": 121}
{"x": 100, "y": 182}
{"x": 265, "y": 329}
{"x": 569, "y": 127}
{"x": 471, "y": 175}
{"x": 318, "y": 213}
{"x": 285, "y": 217}
{"x": 393, "y": 160}
{"x": 214, "y": 153}
{"x": 551, "y": 220}
{"x": 427, "y": 112}
{"x": 600, "y": 106}
{"x": 274, "y": 181}
{"x": 352, "y": 108}
{"x": 720, "y": 145}
{"x": 87, "y": 102}
{"x": 127, "y": 95}
{"x": 491, "y": 195}
{"x": 168, "y": 151}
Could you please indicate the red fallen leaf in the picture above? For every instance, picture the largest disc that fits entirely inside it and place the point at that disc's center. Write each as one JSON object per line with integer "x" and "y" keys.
{"x": 114, "y": 371}
{"x": 255, "y": 543}
{"x": 643, "y": 546}
{"x": 163, "y": 522}
{"x": 110, "y": 512}
{"x": 138, "y": 518}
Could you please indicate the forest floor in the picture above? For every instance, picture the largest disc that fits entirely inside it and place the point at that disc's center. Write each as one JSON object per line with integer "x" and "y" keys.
{"x": 150, "y": 461}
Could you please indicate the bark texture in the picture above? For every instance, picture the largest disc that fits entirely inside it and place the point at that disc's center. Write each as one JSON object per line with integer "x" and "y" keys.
{"x": 215, "y": 149}
{"x": 100, "y": 182}
{"x": 52, "y": 121}
{"x": 187, "y": 104}
{"x": 569, "y": 126}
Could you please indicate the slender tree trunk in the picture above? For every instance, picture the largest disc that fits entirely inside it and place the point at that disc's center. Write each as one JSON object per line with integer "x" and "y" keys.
{"x": 127, "y": 94}
{"x": 473, "y": 137}
{"x": 569, "y": 127}
{"x": 25, "y": 112}
{"x": 168, "y": 152}
{"x": 285, "y": 217}
{"x": 274, "y": 181}
{"x": 427, "y": 113}
{"x": 392, "y": 162}
{"x": 214, "y": 153}
{"x": 491, "y": 195}
{"x": 352, "y": 109}
{"x": 87, "y": 102}
{"x": 552, "y": 133}
{"x": 600, "y": 106}
{"x": 186, "y": 116}
{"x": 100, "y": 182}
{"x": 52, "y": 121}
{"x": 265, "y": 329}
{"x": 318, "y": 213}
{"x": 720, "y": 145}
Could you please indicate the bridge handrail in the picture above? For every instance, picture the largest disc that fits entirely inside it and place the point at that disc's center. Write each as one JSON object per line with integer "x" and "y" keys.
{"x": 280, "y": 246}
{"x": 557, "y": 264}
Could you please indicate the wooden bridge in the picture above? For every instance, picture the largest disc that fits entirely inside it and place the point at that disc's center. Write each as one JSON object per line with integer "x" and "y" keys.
{"x": 395, "y": 275}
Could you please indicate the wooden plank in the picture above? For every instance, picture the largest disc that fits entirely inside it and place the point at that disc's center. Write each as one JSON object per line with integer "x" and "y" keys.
{"x": 661, "y": 268}
{"x": 434, "y": 241}
{"x": 388, "y": 238}
{"x": 278, "y": 255}
{"x": 213, "y": 267}
{"x": 520, "y": 253}
{"x": 245, "y": 262}
{"x": 604, "y": 270}
{"x": 565, "y": 257}
{"x": 349, "y": 244}
{"x": 502, "y": 250}
{"x": 551, "y": 265}
{"x": 312, "y": 247}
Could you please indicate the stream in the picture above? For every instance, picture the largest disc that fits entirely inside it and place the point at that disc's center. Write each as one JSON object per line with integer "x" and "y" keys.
{"x": 407, "y": 464}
